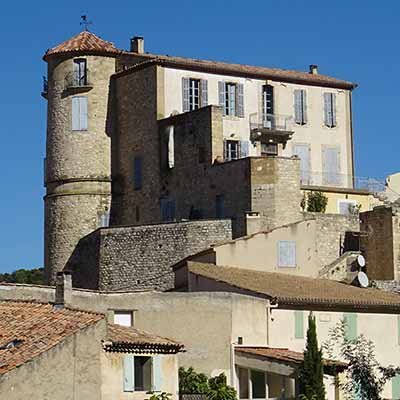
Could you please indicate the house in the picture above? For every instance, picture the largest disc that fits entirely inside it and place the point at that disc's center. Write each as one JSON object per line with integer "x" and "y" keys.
{"x": 54, "y": 352}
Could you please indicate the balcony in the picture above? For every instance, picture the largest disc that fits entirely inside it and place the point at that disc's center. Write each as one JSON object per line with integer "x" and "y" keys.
{"x": 78, "y": 82}
{"x": 329, "y": 179}
{"x": 45, "y": 87}
{"x": 274, "y": 128}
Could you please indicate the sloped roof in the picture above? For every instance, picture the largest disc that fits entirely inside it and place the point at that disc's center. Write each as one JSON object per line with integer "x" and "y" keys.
{"x": 129, "y": 339}
{"x": 29, "y": 329}
{"x": 291, "y": 290}
{"x": 249, "y": 71}
{"x": 85, "y": 42}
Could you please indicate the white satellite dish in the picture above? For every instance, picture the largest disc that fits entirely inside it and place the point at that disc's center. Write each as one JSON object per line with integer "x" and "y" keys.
{"x": 361, "y": 260}
{"x": 363, "y": 279}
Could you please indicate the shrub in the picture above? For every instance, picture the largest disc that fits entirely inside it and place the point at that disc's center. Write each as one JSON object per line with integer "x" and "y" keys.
{"x": 316, "y": 202}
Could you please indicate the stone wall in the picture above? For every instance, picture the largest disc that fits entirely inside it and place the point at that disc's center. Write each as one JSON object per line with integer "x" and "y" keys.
{"x": 140, "y": 257}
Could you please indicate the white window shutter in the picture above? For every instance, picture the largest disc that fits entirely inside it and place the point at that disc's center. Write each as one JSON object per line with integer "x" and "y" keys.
{"x": 129, "y": 373}
{"x": 171, "y": 147}
{"x": 327, "y": 108}
{"x": 286, "y": 253}
{"x": 204, "y": 93}
{"x": 157, "y": 377}
{"x": 331, "y": 165}
{"x": 304, "y": 106}
{"x": 244, "y": 148}
{"x": 333, "y": 109}
{"x": 222, "y": 95}
{"x": 185, "y": 94}
{"x": 83, "y": 114}
{"x": 240, "y": 100}
{"x": 75, "y": 114}
{"x": 297, "y": 107}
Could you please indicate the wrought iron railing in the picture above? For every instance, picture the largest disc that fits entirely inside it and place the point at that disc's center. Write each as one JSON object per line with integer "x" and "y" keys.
{"x": 312, "y": 178}
{"x": 275, "y": 122}
{"x": 75, "y": 80}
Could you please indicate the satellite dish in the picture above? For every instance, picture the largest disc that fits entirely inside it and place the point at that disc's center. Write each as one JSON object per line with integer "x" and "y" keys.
{"x": 363, "y": 279}
{"x": 361, "y": 260}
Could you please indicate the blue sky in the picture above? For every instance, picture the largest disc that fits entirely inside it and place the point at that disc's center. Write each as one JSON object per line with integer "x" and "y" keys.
{"x": 353, "y": 40}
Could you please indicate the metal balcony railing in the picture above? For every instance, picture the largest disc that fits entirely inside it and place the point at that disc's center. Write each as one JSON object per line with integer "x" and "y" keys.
{"x": 312, "y": 178}
{"x": 77, "y": 80}
{"x": 273, "y": 122}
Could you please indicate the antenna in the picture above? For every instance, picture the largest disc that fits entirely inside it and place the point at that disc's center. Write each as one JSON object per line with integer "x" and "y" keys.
{"x": 85, "y": 22}
{"x": 363, "y": 279}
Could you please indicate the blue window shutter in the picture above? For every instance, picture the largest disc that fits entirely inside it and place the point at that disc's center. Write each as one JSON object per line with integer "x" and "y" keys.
{"x": 240, "y": 100}
{"x": 303, "y": 152}
{"x": 351, "y": 325}
{"x": 157, "y": 377}
{"x": 299, "y": 324}
{"x": 333, "y": 109}
{"x": 222, "y": 95}
{"x": 83, "y": 114}
{"x": 185, "y": 94}
{"x": 297, "y": 107}
{"x": 286, "y": 253}
{"x": 327, "y": 114}
{"x": 244, "y": 148}
{"x": 137, "y": 173}
{"x": 204, "y": 93}
{"x": 129, "y": 375}
{"x": 75, "y": 114}
{"x": 331, "y": 166}
{"x": 396, "y": 387}
{"x": 304, "y": 106}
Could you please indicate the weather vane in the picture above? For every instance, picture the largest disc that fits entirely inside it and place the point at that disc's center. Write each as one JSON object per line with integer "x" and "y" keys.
{"x": 85, "y": 22}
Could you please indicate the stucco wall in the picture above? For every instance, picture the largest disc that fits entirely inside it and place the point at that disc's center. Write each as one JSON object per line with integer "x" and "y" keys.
{"x": 68, "y": 371}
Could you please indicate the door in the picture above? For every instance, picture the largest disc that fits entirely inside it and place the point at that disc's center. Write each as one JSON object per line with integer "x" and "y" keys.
{"x": 331, "y": 166}
{"x": 268, "y": 107}
{"x": 303, "y": 152}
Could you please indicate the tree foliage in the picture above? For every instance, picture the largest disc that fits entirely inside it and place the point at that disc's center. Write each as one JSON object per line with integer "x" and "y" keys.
{"x": 311, "y": 373}
{"x": 30, "y": 276}
{"x": 364, "y": 377}
{"x": 314, "y": 202}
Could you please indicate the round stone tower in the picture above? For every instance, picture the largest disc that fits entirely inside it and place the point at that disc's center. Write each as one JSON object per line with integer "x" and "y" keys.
{"x": 78, "y": 147}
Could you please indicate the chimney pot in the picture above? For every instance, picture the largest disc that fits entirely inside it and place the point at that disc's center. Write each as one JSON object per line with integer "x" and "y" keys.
{"x": 314, "y": 69}
{"x": 63, "y": 288}
{"x": 137, "y": 44}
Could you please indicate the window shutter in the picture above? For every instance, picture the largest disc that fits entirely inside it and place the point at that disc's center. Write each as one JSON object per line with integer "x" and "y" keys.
{"x": 331, "y": 166}
{"x": 222, "y": 95}
{"x": 204, "y": 93}
{"x": 156, "y": 374}
{"x": 225, "y": 150}
{"x": 304, "y": 106}
{"x": 129, "y": 376}
{"x": 299, "y": 324}
{"x": 240, "y": 100}
{"x": 351, "y": 325}
{"x": 171, "y": 147}
{"x": 286, "y": 253}
{"x": 333, "y": 109}
{"x": 326, "y": 109}
{"x": 75, "y": 114}
{"x": 137, "y": 173}
{"x": 83, "y": 113}
{"x": 303, "y": 152}
{"x": 185, "y": 94}
{"x": 396, "y": 387}
{"x": 297, "y": 107}
{"x": 244, "y": 148}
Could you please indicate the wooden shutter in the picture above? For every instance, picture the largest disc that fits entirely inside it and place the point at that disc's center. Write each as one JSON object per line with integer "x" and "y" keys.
{"x": 298, "y": 107}
{"x": 286, "y": 253}
{"x": 303, "y": 152}
{"x": 330, "y": 109}
{"x": 304, "y": 106}
{"x": 225, "y": 150}
{"x": 396, "y": 387}
{"x": 204, "y": 93}
{"x": 75, "y": 114}
{"x": 240, "y": 100}
{"x": 83, "y": 113}
{"x": 137, "y": 173}
{"x": 156, "y": 384}
{"x": 299, "y": 324}
{"x": 351, "y": 325}
{"x": 331, "y": 166}
{"x": 333, "y": 109}
{"x": 129, "y": 373}
{"x": 185, "y": 94}
{"x": 222, "y": 95}
{"x": 171, "y": 147}
{"x": 244, "y": 148}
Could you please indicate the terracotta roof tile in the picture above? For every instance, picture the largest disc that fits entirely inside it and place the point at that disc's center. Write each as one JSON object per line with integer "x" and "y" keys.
{"x": 35, "y": 328}
{"x": 129, "y": 339}
{"x": 298, "y": 290}
{"x": 84, "y": 42}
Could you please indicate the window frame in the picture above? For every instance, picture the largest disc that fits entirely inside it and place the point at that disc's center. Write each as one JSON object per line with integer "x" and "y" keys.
{"x": 348, "y": 202}
{"x": 279, "y": 255}
{"x": 228, "y": 150}
{"x": 131, "y": 314}
{"x": 230, "y": 106}
{"x": 193, "y": 105}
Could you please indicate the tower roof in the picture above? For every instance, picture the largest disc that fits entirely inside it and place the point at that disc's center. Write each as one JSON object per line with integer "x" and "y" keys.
{"x": 85, "y": 42}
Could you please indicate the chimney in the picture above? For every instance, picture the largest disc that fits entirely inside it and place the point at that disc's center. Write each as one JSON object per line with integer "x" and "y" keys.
{"x": 313, "y": 69}
{"x": 63, "y": 289}
{"x": 137, "y": 44}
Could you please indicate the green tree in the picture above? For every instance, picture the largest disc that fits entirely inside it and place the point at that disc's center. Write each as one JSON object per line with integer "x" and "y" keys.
{"x": 311, "y": 373}
{"x": 316, "y": 202}
{"x": 30, "y": 276}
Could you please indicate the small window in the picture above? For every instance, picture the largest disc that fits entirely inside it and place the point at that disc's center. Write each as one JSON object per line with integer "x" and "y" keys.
{"x": 350, "y": 320}
{"x": 137, "y": 173}
{"x": 124, "y": 318}
{"x": 104, "y": 219}
{"x": 137, "y": 373}
{"x": 287, "y": 253}
{"x": 79, "y": 113}
{"x": 80, "y": 72}
{"x": 268, "y": 106}
{"x": 231, "y": 98}
{"x": 258, "y": 384}
{"x": 347, "y": 207}
{"x": 220, "y": 206}
{"x": 231, "y": 150}
{"x": 269, "y": 149}
{"x": 195, "y": 94}
{"x": 167, "y": 206}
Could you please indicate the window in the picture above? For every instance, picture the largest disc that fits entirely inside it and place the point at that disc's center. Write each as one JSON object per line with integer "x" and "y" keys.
{"x": 137, "y": 173}
{"x": 351, "y": 325}
{"x": 79, "y": 113}
{"x": 268, "y": 106}
{"x": 300, "y": 107}
{"x": 195, "y": 93}
{"x": 396, "y": 387}
{"x": 231, "y": 98}
{"x": 142, "y": 373}
{"x": 258, "y": 384}
{"x": 167, "y": 206}
{"x": 299, "y": 324}
{"x": 243, "y": 375}
{"x": 124, "y": 318}
{"x": 231, "y": 150}
{"x": 80, "y": 72}
{"x": 254, "y": 378}
{"x": 269, "y": 149}
{"x": 347, "y": 207}
{"x": 287, "y": 253}
{"x": 104, "y": 219}
{"x": 330, "y": 109}
{"x": 303, "y": 151}
{"x": 331, "y": 166}
{"x": 219, "y": 206}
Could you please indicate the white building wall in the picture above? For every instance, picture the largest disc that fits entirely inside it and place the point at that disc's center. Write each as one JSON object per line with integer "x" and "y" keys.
{"x": 314, "y": 132}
